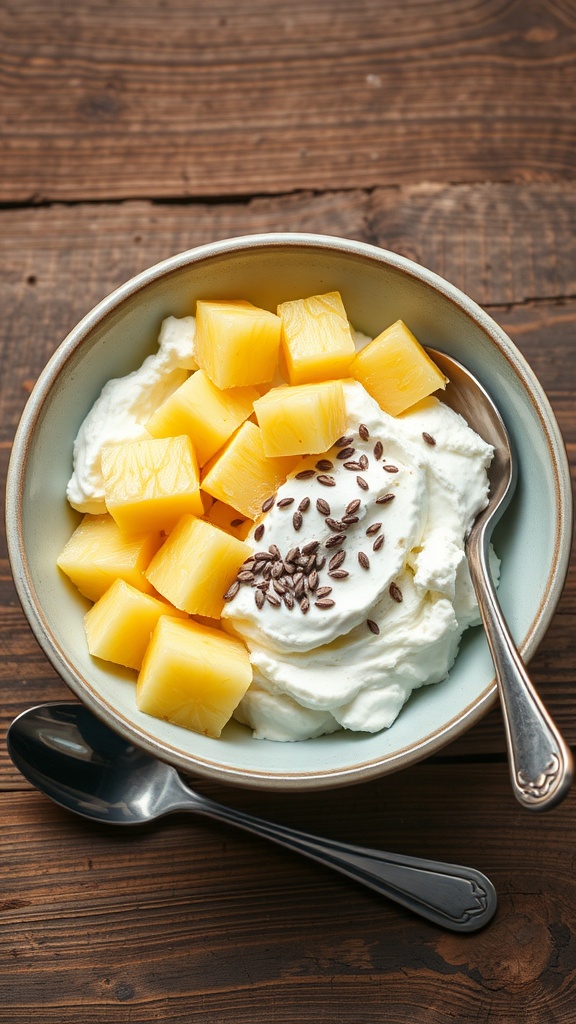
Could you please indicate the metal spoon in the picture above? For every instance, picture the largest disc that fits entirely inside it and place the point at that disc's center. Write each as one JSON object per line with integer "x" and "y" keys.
{"x": 85, "y": 767}
{"x": 540, "y": 760}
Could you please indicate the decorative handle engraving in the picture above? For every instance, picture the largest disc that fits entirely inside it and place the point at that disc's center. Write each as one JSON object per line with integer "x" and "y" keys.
{"x": 540, "y": 787}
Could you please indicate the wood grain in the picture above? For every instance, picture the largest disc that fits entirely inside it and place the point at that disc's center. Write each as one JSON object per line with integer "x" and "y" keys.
{"x": 193, "y": 922}
{"x": 102, "y": 101}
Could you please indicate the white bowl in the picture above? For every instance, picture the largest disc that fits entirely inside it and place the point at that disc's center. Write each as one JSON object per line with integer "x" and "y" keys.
{"x": 378, "y": 287}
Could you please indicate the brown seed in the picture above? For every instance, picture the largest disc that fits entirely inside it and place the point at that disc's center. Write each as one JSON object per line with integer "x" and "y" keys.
{"x": 297, "y": 520}
{"x": 332, "y": 542}
{"x": 245, "y": 576}
{"x": 287, "y": 581}
{"x": 350, "y": 520}
{"x": 321, "y": 562}
{"x": 232, "y": 591}
{"x": 259, "y": 532}
{"x": 373, "y": 626}
{"x": 249, "y": 563}
{"x": 378, "y": 543}
{"x": 352, "y": 465}
{"x": 323, "y": 591}
{"x": 390, "y": 469}
{"x": 313, "y": 580}
{"x": 267, "y": 505}
{"x": 336, "y": 560}
{"x": 324, "y": 465}
{"x": 364, "y": 560}
{"x": 277, "y": 570}
{"x": 323, "y": 507}
{"x": 304, "y": 505}
{"x": 310, "y": 547}
{"x": 428, "y": 438}
{"x": 353, "y": 506}
{"x": 373, "y": 529}
{"x": 363, "y": 460}
{"x": 263, "y": 585}
{"x": 324, "y": 602}
{"x": 259, "y": 598}
{"x": 395, "y": 592}
{"x": 274, "y": 550}
{"x": 302, "y": 562}
{"x": 343, "y": 441}
{"x": 279, "y": 587}
{"x": 338, "y": 574}
{"x": 292, "y": 555}
{"x": 298, "y": 578}
{"x": 346, "y": 453}
{"x": 237, "y": 522}
{"x": 304, "y": 605}
{"x": 305, "y": 474}
{"x": 262, "y": 556}
{"x": 384, "y": 499}
{"x": 378, "y": 450}
{"x": 310, "y": 563}
{"x": 299, "y": 588}
{"x": 289, "y": 568}
{"x": 273, "y": 600}
{"x": 326, "y": 481}
{"x": 362, "y": 483}
{"x": 285, "y": 502}
{"x": 288, "y": 599}
{"x": 335, "y": 525}
{"x": 363, "y": 431}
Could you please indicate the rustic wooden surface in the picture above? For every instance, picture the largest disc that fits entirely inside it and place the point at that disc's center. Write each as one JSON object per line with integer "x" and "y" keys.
{"x": 129, "y": 131}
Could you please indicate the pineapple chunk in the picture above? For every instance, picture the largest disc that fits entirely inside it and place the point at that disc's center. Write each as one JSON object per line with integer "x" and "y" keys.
{"x": 193, "y": 676}
{"x": 242, "y": 476}
{"x": 208, "y": 415}
{"x": 98, "y": 553}
{"x": 317, "y": 342}
{"x": 119, "y": 626}
{"x": 150, "y": 484}
{"x": 195, "y": 566}
{"x": 396, "y": 371}
{"x": 227, "y": 519}
{"x": 236, "y": 343}
{"x": 301, "y": 420}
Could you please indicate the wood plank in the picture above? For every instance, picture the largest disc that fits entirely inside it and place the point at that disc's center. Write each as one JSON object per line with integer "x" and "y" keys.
{"x": 195, "y": 922}
{"x": 221, "y": 99}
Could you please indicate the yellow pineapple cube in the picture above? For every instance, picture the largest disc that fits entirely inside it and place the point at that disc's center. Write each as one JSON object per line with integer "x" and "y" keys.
{"x": 301, "y": 420}
{"x": 317, "y": 342}
{"x": 150, "y": 484}
{"x": 228, "y": 519}
{"x": 236, "y": 343}
{"x": 193, "y": 676}
{"x": 99, "y": 553}
{"x": 208, "y": 415}
{"x": 396, "y": 370}
{"x": 120, "y": 624}
{"x": 242, "y": 476}
{"x": 195, "y": 566}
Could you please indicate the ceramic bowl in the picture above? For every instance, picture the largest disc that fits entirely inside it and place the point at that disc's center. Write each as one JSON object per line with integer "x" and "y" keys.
{"x": 378, "y": 287}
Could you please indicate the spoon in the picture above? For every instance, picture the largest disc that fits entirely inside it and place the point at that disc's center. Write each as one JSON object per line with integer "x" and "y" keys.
{"x": 85, "y": 767}
{"x": 540, "y": 760}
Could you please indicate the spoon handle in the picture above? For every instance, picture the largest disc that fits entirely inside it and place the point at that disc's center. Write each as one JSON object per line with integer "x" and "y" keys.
{"x": 540, "y": 760}
{"x": 459, "y": 898}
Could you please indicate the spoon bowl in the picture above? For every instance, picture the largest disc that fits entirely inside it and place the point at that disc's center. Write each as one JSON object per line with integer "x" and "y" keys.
{"x": 82, "y": 765}
{"x": 540, "y": 761}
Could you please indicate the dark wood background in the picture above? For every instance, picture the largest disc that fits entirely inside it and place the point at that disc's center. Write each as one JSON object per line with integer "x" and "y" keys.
{"x": 131, "y": 130}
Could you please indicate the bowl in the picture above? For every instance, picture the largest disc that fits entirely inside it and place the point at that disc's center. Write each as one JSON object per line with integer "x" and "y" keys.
{"x": 378, "y": 287}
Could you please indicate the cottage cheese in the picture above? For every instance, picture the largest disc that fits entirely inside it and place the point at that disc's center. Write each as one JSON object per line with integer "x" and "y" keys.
{"x": 329, "y": 669}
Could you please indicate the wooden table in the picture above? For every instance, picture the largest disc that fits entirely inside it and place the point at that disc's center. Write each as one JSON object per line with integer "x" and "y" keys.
{"x": 444, "y": 130}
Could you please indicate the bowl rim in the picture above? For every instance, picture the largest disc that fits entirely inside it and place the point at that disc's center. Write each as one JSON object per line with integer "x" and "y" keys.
{"x": 375, "y": 767}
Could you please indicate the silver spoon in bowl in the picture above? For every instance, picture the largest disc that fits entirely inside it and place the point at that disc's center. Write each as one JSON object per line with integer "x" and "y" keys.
{"x": 82, "y": 765}
{"x": 540, "y": 760}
